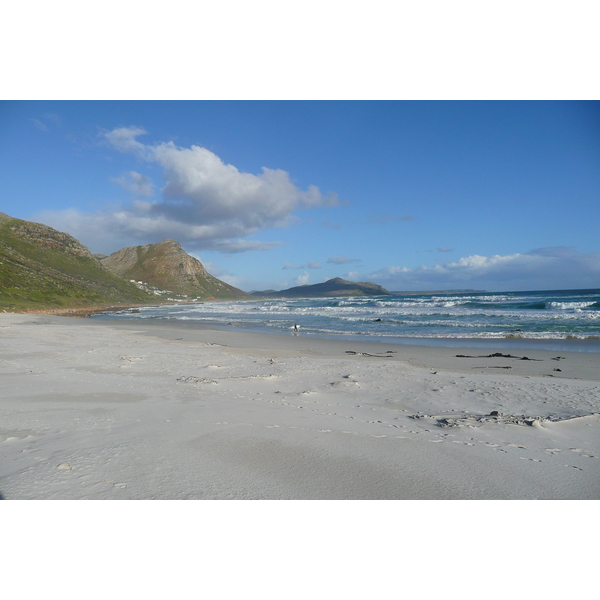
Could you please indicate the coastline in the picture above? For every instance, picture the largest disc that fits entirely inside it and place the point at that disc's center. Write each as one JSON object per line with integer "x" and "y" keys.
{"x": 136, "y": 409}
{"x": 429, "y": 353}
{"x": 82, "y": 311}
{"x": 559, "y": 321}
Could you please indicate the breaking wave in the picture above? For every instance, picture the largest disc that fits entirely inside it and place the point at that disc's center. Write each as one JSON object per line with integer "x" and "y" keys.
{"x": 555, "y": 315}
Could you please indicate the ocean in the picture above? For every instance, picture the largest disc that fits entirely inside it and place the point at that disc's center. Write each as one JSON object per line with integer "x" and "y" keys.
{"x": 567, "y": 319}
{"x": 568, "y": 316}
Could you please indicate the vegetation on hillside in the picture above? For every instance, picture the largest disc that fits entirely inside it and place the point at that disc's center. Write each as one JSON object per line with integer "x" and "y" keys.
{"x": 44, "y": 268}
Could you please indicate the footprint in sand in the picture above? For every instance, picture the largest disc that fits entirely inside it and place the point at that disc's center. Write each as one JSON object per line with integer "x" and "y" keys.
{"x": 347, "y": 383}
{"x": 582, "y": 452}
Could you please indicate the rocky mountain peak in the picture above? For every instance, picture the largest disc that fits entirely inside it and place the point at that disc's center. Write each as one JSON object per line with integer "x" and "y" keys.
{"x": 167, "y": 266}
{"x": 44, "y": 236}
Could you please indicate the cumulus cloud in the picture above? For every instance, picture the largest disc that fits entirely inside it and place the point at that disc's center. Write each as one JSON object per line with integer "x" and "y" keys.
{"x": 342, "y": 260}
{"x": 543, "y": 268}
{"x": 302, "y": 279}
{"x": 136, "y": 183}
{"x": 205, "y": 202}
{"x": 124, "y": 139}
{"x": 313, "y": 264}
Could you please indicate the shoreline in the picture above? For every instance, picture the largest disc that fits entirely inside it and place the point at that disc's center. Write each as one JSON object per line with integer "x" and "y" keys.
{"x": 495, "y": 344}
{"x": 434, "y": 355}
{"x": 132, "y": 409}
{"x": 82, "y": 311}
{"x": 589, "y": 344}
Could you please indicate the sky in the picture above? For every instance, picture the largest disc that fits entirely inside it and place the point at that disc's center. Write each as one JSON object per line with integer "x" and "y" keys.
{"x": 412, "y": 195}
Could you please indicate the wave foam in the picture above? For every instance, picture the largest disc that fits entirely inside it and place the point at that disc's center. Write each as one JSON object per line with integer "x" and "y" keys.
{"x": 570, "y": 305}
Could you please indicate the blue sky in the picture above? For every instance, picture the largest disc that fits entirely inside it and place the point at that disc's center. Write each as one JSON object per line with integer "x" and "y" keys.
{"x": 413, "y": 195}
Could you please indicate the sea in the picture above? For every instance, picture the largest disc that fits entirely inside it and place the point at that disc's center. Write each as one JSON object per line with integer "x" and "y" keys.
{"x": 556, "y": 319}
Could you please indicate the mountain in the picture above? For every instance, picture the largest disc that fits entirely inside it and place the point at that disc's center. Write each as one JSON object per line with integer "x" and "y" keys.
{"x": 167, "y": 266}
{"x": 333, "y": 287}
{"x": 44, "y": 268}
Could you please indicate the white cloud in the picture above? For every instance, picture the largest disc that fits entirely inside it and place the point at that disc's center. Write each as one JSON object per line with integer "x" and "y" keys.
{"x": 205, "y": 203}
{"x": 123, "y": 139}
{"x": 302, "y": 279}
{"x": 137, "y": 184}
{"x": 313, "y": 264}
{"x": 543, "y": 268}
{"x": 202, "y": 188}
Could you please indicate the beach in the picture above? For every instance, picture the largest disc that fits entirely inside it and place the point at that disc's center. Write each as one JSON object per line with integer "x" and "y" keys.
{"x": 109, "y": 409}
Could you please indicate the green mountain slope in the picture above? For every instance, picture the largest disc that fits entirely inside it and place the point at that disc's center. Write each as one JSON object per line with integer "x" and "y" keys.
{"x": 167, "y": 266}
{"x": 44, "y": 268}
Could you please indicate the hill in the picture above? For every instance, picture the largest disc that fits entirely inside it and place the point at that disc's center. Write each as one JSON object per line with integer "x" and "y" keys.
{"x": 167, "y": 266}
{"x": 41, "y": 267}
{"x": 331, "y": 288}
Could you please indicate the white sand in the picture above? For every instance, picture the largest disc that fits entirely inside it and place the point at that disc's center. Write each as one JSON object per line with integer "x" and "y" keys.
{"x": 93, "y": 409}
